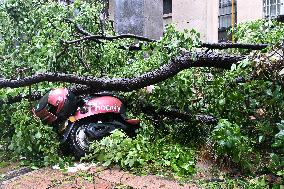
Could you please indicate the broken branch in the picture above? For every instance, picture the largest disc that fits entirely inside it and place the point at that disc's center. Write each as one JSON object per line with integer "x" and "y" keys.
{"x": 234, "y": 45}
{"x": 166, "y": 71}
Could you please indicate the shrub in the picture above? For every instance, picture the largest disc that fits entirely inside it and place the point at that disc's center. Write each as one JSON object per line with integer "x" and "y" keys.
{"x": 230, "y": 142}
{"x": 142, "y": 153}
{"x": 32, "y": 140}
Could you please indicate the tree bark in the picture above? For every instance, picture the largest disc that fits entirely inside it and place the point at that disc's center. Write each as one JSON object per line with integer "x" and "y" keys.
{"x": 234, "y": 45}
{"x": 166, "y": 71}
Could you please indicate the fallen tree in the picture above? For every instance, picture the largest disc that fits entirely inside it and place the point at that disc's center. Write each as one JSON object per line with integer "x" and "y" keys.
{"x": 166, "y": 71}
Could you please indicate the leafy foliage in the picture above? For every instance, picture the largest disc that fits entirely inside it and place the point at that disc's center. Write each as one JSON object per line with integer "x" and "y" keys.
{"x": 33, "y": 35}
{"x": 279, "y": 137}
{"x": 229, "y": 141}
{"x": 251, "y": 183}
{"x": 142, "y": 153}
{"x": 33, "y": 39}
{"x": 259, "y": 31}
{"x": 33, "y": 140}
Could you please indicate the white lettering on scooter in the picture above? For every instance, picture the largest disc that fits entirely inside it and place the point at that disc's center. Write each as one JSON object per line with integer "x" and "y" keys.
{"x": 99, "y": 107}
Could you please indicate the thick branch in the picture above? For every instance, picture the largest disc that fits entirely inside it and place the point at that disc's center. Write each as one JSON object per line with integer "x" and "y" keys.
{"x": 220, "y": 46}
{"x": 149, "y": 109}
{"x": 97, "y": 38}
{"x": 78, "y": 90}
{"x": 177, "y": 114}
{"x": 89, "y": 36}
{"x": 18, "y": 98}
{"x": 166, "y": 71}
{"x": 234, "y": 45}
{"x": 78, "y": 28}
{"x": 83, "y": 89}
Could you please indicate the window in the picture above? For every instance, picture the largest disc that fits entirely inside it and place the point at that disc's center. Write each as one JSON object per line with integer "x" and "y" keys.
{"x": 272, "y": 8}
{"x": 167, "y": 6}
{"x": 225, "y": 18}
{"x": 225, "y": 13}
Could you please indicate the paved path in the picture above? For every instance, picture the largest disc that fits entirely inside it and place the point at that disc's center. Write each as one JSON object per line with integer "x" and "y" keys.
{"x": 89, "y": 178}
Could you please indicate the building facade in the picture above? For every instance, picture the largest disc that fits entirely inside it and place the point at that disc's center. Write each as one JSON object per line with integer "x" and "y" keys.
{"x": 201, "y": 15}
{"x": 212, "y": 18}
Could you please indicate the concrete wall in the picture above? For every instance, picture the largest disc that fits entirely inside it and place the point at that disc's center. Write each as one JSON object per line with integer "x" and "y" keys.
{"x": 167, "y": 20}
{"x": 153, "y": 15}
{"x": 201, "y": 15}
{"x": 111, "y": 9}
{"x": 212, "y": 21}
{"x": 139, "y": 17}
{"x": 249, "y": 10}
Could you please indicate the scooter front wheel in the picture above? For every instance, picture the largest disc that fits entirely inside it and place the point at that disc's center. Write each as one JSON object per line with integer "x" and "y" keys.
{"x": 78, "y": 142}
{"x": 83, "y": 133}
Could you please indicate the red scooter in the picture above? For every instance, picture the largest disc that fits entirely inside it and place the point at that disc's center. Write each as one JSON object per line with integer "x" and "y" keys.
{"x": 81, "y": 120}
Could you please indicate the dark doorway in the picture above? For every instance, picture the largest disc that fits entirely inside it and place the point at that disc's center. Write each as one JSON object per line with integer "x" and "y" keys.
{"x": 167, "y": 6}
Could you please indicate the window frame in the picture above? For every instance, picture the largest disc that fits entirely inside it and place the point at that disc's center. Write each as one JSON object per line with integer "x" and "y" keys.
{"x": 225, "y": 11}
{"x": 225, "y": 18}
{"x": 267, "y": 8}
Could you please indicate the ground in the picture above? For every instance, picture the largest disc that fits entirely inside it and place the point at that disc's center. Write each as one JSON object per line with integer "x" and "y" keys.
{"x": 83, "y": 176}
{"x": 91, "y": 176}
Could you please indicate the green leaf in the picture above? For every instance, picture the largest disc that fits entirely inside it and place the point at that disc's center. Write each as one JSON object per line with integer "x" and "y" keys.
{"x": 107, "y": 163}
{"x": 261, "y": 139}
{"x": 38, "y": 135}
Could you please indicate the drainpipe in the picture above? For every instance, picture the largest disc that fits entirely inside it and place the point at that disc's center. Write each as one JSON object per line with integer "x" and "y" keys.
{"x": 233, "y": 19}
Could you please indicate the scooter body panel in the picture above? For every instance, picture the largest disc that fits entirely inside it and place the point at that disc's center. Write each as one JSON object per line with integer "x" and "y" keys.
{"x": 102, "y": 114}
{"x": 99, "y": 105}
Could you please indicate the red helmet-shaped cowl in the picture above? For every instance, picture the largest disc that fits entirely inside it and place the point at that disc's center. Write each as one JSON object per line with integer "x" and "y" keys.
{"x": 56, "y": 105}
{"x": 57, "y": 98}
